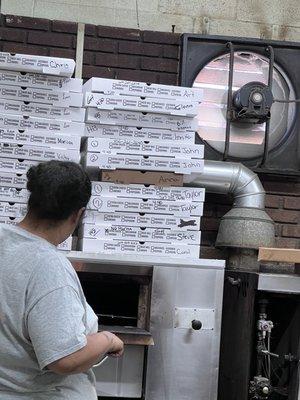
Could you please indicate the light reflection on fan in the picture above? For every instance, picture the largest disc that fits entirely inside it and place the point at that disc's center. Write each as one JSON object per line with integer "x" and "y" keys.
{"x": 246, "y": 139}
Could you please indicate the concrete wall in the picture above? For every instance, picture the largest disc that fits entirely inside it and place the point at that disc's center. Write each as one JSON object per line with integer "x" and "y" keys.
{"x": 276, "y": 19}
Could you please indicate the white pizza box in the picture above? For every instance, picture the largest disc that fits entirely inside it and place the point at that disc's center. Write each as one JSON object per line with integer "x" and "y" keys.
{"x": 42, "y": 110}
{"x": 42, "y": 81}
{"x": 13, "y": 195}
{"x": 41, "y": 124}
{"x": 16, "y": 166}
{"x": 119, "y": 161}
{"x": 57, "y": 99}
{"x": 131, "y": 88}
{"x": 118, "y": 232}
{"x": 12, "y": 209}
{"x": 36, "y": 153}
{"x": 37, "y": 64}
{"x": 142, "y": 104}
{"x": 132, "y": 133}
{"x": 13, "y": 180}
{"x": 127, "y": 176}
{"x": 66, "y": 245}
{"x": 145, "y": 148}
{"x": 141, "y": 120}
{"x": 33, "y": 138}
{"x": 146, "y": 248}
{"x": 188, "y": 194}
{"x": 10, "y": 220}
{"x": 142, "y": 220}
{"x": 120, "y": 204}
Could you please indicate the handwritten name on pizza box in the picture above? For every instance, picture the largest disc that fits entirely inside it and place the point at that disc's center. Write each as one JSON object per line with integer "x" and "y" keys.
{"x": 137, "y": 147}
{"x": 38, "y": 153}
{"x": 131, "y": 88}
{"x": 58, "y": 99}
{"x": 120, "y": 232}
{"x": 16, "y": 166}
{"x": 37, "y": 64}
{"x": 14, "y": 195}
{"x": 41, "y": 124}
{"x": 128, "y": 132}
{"x": 142, "y": 220}
{"x": 41, "y": 81}
{"x": 119, "y": 161}
{"x": 142, "y": 177}
{"x": 33, "y": 138}
{"x": 12, "y": 209}
{"x": 141, "y": 120}
{"x": 42, "y": 110}
{"x": 13, "y": 180}
{"x": 187, "y": 194}
{"x": 127, "y": 247}
{"x": 115, "y": 204}
{"x": 142, "y": 104}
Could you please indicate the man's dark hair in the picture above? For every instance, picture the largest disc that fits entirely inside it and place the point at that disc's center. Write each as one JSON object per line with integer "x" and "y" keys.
{"x": 57, "y": 189}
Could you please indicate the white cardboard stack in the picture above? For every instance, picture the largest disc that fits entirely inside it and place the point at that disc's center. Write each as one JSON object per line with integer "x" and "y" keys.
{"x": 41, "y": 119}
{"x": 141, "y": 127}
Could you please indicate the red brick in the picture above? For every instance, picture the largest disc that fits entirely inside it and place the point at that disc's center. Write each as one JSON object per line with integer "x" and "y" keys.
{"x": 282, "y": 187}
{"x": 212, "y": 253}
{"x": 27, "y": 22}
{"x": 146, "y": 49}
{"x": 12, "y": 35}
{"x": 24, "y": 49}
{"x": 222, "y": 209}
{"x": 167, "y": 79}
{"x": 273, "y": 201}
{"x": 291, "y": 231}
{"x": 64, "y": 53}
{"x": 136, "y": 75}
{"x": 118, "y": 33}
{"x": 51, "y": 39}
{"x": 90, "y": 71}
{"x": 161, "y": 37}
{"x": 171, "y": 51}
{"x": 64, "y": 26}
{"x": 287, "y": 243}
{"x": 278, "y": 230}
{"x": 88, "y": 57}
{"x": 292, "y": 203}
{"x": 209, "y": 224}
{"x": 208, "y": 238}
{"x": 90, "y": 30}
{"x": 284, "y": 216}
{"x": 159, "y": 64}
{"x": 105, "y": 45}
{"x": 117, "y": 60}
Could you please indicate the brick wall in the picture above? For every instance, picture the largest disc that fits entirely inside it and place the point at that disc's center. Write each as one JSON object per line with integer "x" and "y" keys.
{"x": 153, "y": 57}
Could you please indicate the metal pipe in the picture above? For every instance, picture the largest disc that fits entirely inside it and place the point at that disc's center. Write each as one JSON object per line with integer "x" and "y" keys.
{"x": 230, "y": 178}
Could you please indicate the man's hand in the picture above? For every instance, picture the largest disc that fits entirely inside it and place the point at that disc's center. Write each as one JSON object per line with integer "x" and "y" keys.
{"x": 116, "y": 345}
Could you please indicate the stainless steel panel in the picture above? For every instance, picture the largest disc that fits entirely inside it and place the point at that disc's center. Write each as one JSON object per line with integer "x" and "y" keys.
{"x": 279, "y": 283}
{"x": 121, "y": 377}
{"x": 183, "y": 364}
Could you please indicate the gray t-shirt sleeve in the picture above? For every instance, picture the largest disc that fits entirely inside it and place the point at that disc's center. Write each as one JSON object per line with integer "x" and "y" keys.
{"x": 56, "y": 326}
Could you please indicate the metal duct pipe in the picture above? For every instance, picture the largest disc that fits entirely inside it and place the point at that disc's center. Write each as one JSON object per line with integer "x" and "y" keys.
{"x": 247, "y": 226}
{"x": 230, "y": 178}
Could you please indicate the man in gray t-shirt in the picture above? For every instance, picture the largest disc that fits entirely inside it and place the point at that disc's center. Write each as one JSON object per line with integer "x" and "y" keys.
{"x": 48, "y": 333}
{"x": 43, "y": 317}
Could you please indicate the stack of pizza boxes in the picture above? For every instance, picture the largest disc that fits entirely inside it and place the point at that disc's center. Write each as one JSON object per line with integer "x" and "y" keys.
{"x": 139, "y": 142}
{"x": 41, "y": 119}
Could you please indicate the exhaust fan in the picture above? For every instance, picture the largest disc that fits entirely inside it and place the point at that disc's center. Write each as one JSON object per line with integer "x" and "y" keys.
{"x": 250, "y": 109}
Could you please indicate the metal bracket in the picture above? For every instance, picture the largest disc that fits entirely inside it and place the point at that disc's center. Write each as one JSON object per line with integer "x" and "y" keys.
{"x": 184, "y": 317}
